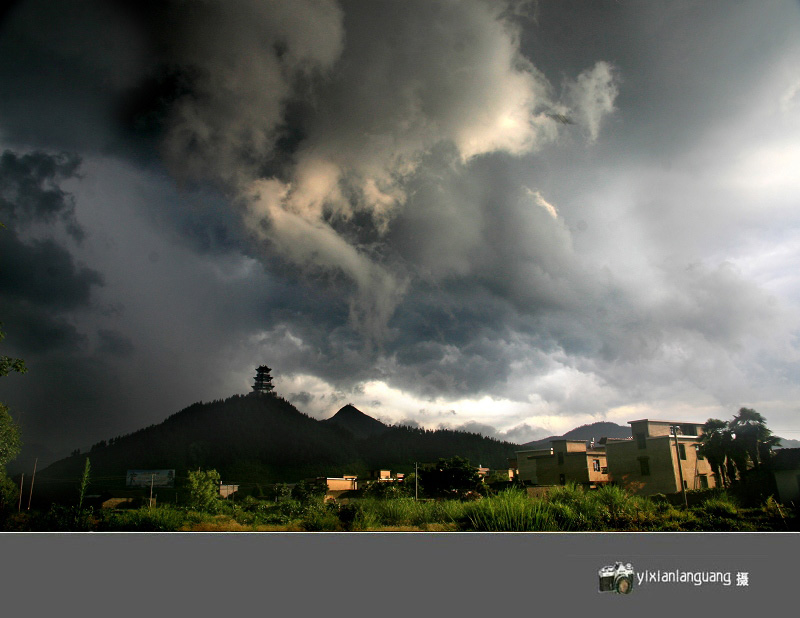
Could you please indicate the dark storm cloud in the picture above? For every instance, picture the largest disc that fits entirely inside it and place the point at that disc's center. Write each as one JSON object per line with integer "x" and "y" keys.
{"x": 116, "y": 344}
{"x": 383, "y": 192}
{"x": 63, "y": 67}
{"x": 29, "y": 189}
{"x": 44, "y": 272}
{"x": 40, "y": 270}
{"x": 42, "y": 286}
{"x": 37, "y": 330}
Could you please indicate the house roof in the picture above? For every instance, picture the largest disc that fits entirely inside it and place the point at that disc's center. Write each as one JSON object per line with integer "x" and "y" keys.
{"x": 650, "y": 420}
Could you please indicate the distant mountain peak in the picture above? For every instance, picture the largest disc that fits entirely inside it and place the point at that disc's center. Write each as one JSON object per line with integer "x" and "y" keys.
{"x": 350, "y": 410}
{"x": 600, "y": 429}
{"x": 356, "y": 422}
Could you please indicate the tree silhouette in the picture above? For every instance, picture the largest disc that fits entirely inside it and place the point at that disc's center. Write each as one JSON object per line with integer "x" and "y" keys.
{"x": 450, "y": 478}
{"x": 714, "y": 447}
{"x": 750, "y": 431}
{"x": 732, "y": 447}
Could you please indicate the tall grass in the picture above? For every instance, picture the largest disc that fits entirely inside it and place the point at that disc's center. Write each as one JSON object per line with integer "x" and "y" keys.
{"x": 510, "y": 511}
{"x": 373, "y": 513}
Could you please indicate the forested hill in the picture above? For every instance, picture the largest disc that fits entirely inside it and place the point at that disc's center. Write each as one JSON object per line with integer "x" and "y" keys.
{"x": 265, "y": 439}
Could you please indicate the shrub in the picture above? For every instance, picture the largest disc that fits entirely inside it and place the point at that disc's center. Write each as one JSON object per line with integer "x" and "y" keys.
{"x": 325, "y": 519}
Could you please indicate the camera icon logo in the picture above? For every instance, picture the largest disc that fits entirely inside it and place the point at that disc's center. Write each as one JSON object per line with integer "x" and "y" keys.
{"x": 616, "y": 578}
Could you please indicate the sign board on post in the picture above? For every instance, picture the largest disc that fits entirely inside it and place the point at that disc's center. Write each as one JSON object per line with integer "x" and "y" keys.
{"x": 148, "y": 478}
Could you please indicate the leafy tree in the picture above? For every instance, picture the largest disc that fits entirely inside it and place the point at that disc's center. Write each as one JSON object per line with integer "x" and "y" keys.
{"x": 450, "y": 478}
{"x": 204, "y": 489}
{"x": 10, "y": 442}
{"x": 389, "y": 489}
{"x": 307, "y": 492}
{"x": 8, "y": 364}
{"x": 281, "y": 491}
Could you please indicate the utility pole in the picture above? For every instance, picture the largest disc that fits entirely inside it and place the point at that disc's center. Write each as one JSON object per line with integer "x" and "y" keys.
{"x": 33, "y": 480}
{"x": 152, "y": 476}
{"x": 21, "y": 480}
{"x": 680, "y": 467}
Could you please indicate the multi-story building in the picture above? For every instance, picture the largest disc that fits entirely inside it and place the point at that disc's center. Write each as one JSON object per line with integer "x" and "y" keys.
{"x": 662, "y": 457}
{"x": 565, "y": 461}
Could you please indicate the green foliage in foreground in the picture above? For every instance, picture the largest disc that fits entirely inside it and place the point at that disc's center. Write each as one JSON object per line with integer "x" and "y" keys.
{"x": 569, "y": 508}
{"x": 204, "y": 489}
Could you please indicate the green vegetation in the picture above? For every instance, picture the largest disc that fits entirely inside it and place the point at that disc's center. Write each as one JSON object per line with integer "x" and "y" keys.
{"x": 204, "y": 490}
{"x": 10, "y": 442}
{"x": 451, "y": 478}
{"x": 564, "y": 509}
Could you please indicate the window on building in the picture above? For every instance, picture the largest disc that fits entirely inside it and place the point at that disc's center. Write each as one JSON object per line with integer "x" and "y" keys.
{"x": 703, "y": 481}
{"x": 596, "y": 465}
{"x": 560, "y": 458}
{"x": 562, "y": 479}
{"x": 682, "y": 450}
{"x": 644, "y": 464}
{"x": 699, "y": 452}
{"x": 641, "y": 440}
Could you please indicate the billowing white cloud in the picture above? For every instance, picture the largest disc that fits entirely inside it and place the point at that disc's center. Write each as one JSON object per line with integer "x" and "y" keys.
{"x": 592, "y": 96}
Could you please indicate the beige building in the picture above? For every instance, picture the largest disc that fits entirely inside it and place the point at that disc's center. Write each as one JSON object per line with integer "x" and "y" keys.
{"x": 657, "y": 461}
{"x": 565, "y": 461}
{"x": 335, "y": 487}
{"x": 225, "y": 491}
{"x": 384, "y": 475}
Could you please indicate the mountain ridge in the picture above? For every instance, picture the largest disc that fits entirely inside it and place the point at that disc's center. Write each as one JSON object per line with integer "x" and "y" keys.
{"x": 259, "y": 440}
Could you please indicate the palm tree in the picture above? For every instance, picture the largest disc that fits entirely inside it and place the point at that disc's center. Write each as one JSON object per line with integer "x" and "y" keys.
{"x": 765, "y": 447}
{"x": 714, "y": 447}
{"x": 751, "y": 433}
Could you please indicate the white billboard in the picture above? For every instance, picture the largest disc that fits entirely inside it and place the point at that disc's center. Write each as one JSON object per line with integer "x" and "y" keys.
{"x": 150, "y": 478}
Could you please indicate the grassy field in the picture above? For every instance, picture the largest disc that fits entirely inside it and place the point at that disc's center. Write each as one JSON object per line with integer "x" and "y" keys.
{"x": 564, "y": 509}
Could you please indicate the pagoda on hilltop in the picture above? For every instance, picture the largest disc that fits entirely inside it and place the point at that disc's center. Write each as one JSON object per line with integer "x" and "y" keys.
{"x": 263, "y": 381}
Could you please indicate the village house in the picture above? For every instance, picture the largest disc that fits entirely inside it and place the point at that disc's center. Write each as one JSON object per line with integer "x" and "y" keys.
{"x": 662, "y": 457}
{"x": 336, "y": 487}
{"x": 384, "y": 475}
{"x": 227, "y": 490}
{"x": 565, "y": 461}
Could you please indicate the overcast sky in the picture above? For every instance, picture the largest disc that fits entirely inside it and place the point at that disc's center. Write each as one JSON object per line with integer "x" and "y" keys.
{"x": 509, "y": 217}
